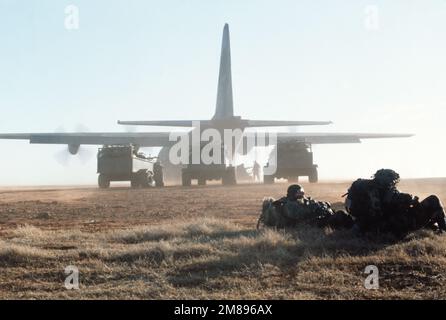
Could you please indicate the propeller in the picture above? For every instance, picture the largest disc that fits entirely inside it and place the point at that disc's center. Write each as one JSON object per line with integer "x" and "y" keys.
{"x": 83, "y": 153}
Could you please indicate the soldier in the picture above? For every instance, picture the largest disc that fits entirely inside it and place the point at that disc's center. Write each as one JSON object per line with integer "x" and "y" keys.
{"x": 295, "y": 208}
{"x": 378, "y": 206}
{"x": 158, "y": 174}
{"x": 256, "y": 171}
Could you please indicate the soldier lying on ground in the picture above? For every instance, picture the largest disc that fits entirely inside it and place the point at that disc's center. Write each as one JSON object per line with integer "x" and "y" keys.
{"x": 378, "y": 207}
{"x": 296, "y": 209}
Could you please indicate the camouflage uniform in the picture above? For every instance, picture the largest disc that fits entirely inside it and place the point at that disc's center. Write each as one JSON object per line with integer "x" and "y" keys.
{"x": 296, "y": 209}
{"x": 379, "y": 207}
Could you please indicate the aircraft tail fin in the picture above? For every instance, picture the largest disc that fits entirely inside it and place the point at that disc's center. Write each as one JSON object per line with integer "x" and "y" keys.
{"x": 225, "y": 106}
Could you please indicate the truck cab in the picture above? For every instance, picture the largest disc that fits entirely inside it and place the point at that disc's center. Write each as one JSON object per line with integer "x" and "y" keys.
{"x": 294, "y": 159}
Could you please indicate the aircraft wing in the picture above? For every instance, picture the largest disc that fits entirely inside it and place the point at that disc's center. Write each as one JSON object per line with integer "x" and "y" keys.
{"x": 323, "y": 138}
{"x": 161, "y": 139}
{"x": 143, "y": 139}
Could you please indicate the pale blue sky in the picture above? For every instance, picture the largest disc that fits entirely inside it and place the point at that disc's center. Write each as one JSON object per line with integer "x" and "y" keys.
{"x": 300, "y": 60}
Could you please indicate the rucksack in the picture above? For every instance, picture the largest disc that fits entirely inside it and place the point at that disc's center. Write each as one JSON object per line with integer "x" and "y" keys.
{"x": 363, "y": 202}
{"x": 271, "y": 215}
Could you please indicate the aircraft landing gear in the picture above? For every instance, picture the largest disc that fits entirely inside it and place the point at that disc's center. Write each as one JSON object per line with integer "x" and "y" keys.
{"x": 202, "y": 173}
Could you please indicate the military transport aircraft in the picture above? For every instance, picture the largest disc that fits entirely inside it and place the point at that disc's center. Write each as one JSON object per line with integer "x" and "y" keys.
{"x": 223, "y": 119}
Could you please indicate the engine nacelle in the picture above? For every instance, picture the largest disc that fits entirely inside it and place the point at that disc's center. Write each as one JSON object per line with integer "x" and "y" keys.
{"x": 73, "y": 148}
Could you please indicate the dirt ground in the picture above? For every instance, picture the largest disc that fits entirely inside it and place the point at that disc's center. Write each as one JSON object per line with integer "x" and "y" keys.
{"x": 90, "y": 208}
{"x": 199, "y": 242}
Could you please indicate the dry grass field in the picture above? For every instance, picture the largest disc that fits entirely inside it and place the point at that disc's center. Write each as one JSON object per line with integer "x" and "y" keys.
{"x": 201, "y": 243}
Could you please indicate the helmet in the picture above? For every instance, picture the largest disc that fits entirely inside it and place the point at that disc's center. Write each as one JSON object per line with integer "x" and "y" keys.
{"x": 295, "y": 189}
{"x": 386, "y": 177}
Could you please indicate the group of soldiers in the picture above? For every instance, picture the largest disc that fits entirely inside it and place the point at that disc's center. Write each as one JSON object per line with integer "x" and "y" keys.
{"x": 371, "y": 206}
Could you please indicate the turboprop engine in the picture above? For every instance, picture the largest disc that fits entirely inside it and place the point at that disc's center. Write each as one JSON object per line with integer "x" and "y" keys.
{"x": 73, "y": 148}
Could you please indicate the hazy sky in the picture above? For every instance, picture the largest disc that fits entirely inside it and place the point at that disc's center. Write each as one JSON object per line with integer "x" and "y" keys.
{"x": 369, "y": 66}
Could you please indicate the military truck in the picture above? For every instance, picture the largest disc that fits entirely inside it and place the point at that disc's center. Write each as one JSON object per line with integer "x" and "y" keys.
{"x": 125, "y": 163}
{"x": 294, "y": 160}
{"x": 203, "y": 172}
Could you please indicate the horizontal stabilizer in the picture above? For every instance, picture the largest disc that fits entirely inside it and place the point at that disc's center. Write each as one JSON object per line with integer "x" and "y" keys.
{"x": 160, "y": 123}
{"x": 273, "y": 123}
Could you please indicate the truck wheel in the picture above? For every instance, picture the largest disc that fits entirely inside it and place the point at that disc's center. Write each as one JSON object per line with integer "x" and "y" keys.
{"x": 103, "y": 181}
{"x": 267, "y": 179}
{"x": 158, "y": 179}
{"x": 143, "y": 179}
{"x": 186, "y": 179}
{"x": 138, "y": 179}
{"x": 201, "y": 181}
{"x": 149, "y": 181}
{"x": 159, "y": 182}
{"x": 134, "y": 183}
{"x": 158, "y": 175}
{"x": 229, "y": 176}
{"x": 313, "y": 177}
